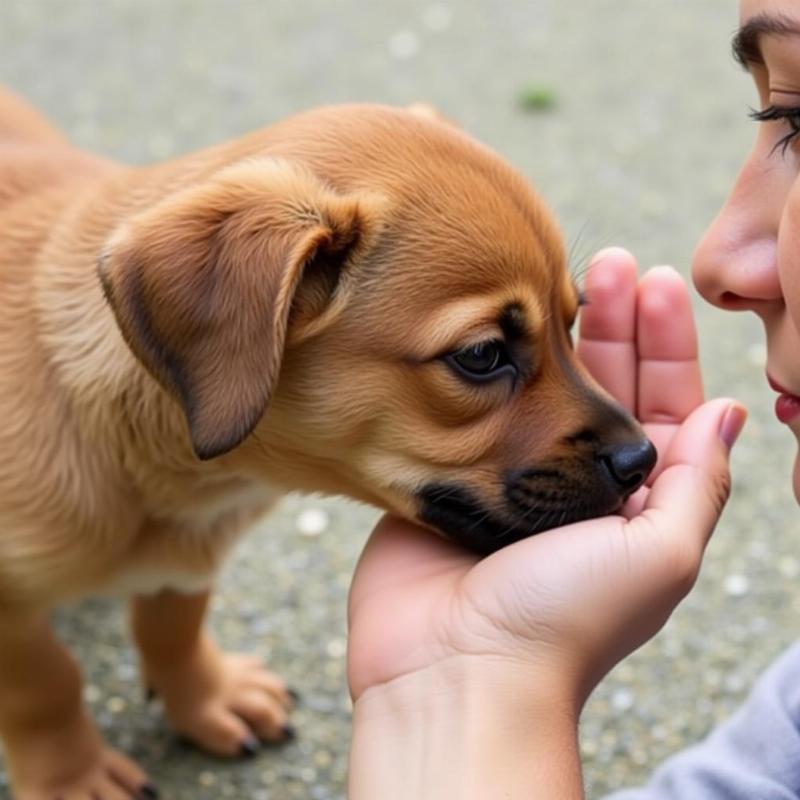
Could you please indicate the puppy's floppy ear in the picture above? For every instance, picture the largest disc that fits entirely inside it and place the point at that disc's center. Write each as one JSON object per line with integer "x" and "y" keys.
{"x": 202, "y": 285}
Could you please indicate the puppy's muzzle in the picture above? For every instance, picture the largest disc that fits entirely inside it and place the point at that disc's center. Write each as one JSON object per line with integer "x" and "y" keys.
{"x": 562, "y": 491}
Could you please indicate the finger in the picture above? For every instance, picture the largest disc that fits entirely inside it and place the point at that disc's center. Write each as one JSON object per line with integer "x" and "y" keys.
{"x": 685, "y": 502}
{"x": 670, "y": 383}
{"x": 661, "y": 435}
{"x": 635, "y": 504}
{"x": 607, "y": 343}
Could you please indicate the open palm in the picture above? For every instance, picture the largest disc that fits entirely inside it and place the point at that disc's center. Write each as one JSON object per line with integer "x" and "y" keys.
{"x": 576, "y": 599}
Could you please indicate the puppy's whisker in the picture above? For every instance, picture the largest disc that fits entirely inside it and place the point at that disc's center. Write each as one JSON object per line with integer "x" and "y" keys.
{"x": 542, "y": 522}
{"x": 576, "y": 242}
{"x": 579, "y": 264}
{"x": 443, "y": 494}
{"x": 581, "y": 252}
{"x": 525, "y": 518}
{"x": 479, "y": 521}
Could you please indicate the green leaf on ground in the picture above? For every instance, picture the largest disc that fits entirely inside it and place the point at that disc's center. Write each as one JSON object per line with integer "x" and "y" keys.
{"x": 537, "y": 97}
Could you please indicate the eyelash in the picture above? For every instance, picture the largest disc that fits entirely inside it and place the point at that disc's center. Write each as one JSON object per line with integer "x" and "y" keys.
{"x": 775, "y": 113}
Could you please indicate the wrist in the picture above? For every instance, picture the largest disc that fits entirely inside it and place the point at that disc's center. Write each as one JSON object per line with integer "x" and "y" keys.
{"x": 468, "y": 727}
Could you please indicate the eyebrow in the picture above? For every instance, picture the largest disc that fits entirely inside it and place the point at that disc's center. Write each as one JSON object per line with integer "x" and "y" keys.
{"x": 746, "y": 46}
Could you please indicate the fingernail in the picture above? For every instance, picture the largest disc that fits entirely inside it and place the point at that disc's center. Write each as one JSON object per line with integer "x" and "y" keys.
{"x": 664, "y": 270}
{"x": 732, "y": 424}
{"x": 289, "y": 732}
{"x": 607, "y": 252}
{"x": 249, "y": 747}
{"x": 147, "y": 791}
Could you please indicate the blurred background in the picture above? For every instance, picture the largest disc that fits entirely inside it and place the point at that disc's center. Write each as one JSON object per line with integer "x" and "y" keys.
{"x": 631, "y": 119}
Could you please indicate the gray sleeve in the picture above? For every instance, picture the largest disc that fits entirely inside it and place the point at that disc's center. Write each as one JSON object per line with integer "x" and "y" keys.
{"x": 755, "y": 755}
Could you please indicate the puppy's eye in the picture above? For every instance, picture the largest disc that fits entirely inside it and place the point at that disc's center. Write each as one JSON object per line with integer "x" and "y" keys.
{"x": 480, "y": 362}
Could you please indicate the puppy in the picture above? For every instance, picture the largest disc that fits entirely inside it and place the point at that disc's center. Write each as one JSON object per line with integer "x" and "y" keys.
{"x": 359, "y": 300}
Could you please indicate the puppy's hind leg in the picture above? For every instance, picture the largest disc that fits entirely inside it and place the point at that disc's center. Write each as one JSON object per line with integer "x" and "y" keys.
{"x": 52, "y": 747}
{"x": 227, "y": 703}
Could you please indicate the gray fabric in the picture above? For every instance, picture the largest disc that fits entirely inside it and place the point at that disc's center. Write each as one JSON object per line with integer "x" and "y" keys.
{"x": 755, "y": 755}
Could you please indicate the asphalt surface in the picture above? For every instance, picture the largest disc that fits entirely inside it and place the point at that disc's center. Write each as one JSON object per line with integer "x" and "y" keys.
{"x": 646, "y": 126}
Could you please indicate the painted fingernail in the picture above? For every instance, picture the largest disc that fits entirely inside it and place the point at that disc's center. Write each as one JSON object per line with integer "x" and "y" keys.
{"x": 732, "y": 424}
{"x": 289, "y": 732}
{"x": 249, "y": 747}
{"x": 147, "y": 791}
{"x": 294, "y": 694}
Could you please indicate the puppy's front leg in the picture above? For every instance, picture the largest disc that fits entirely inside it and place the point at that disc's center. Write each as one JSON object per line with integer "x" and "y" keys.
{"x": 225, "y": 702}
{"x": 52, "y": 746}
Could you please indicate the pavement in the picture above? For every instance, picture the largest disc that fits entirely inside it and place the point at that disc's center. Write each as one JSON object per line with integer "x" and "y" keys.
{"x": 644, "y": 125}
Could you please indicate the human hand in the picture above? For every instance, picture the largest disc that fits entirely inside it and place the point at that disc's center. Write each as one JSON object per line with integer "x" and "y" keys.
{"x": 593, "y": 591}
{"x": 537, "y": 624}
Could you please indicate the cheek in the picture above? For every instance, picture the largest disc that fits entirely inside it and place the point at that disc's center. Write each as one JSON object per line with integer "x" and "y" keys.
{"x": 789, "y": 254}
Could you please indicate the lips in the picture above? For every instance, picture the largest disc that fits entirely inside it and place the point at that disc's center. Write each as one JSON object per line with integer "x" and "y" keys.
{"x": 787, "y": 406}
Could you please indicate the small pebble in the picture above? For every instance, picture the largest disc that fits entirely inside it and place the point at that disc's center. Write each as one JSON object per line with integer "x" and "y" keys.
{"x": 622, "y": 700}
{"x": 91, "y": 693}
{"x": 336, "y": 648}
{"x": 127, "y": 672}
{"x": 206, "y": 778}
{"x": 322, "y": 758}
{"x": 312, "y": 522}
{"x": 404, "y": 45}
{"x": 116, "y": 705}
{"x": 736, "y": 585}
{"x": 589, "y": 748}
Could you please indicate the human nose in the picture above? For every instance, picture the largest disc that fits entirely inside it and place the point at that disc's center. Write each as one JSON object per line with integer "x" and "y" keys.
{"x": 735, "y": 264}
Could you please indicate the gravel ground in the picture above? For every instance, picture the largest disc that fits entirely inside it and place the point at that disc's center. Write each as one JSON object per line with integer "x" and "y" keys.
{"x": 647, "y": 126}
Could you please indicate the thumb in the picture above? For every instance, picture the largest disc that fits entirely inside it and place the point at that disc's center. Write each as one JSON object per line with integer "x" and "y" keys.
{"x": 687, "y": 499}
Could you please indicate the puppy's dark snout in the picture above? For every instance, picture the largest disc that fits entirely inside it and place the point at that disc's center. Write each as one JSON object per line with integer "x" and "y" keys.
{"x": 629, "y": 464}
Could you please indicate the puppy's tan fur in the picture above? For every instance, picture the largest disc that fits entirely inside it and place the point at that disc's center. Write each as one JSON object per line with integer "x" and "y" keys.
{"x": 183, "y": 343}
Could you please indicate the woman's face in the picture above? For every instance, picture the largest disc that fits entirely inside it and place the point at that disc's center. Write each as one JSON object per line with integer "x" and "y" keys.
{"x": 749, "y": 258}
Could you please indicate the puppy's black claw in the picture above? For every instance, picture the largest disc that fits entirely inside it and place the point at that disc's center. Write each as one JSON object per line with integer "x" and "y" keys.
{"x": 150, "y": 694}
{"x": 294, "y": 694}
{"x": 249, "y": 747}
{"x": 147, "y": 791}
{"x": 289, "y": 732}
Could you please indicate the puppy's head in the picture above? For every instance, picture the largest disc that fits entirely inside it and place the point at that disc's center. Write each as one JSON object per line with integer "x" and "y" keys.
{"x": 383, "y": 310}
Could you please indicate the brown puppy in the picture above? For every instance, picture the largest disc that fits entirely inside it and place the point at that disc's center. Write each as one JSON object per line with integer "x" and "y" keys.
{"x": 359, "y": 300}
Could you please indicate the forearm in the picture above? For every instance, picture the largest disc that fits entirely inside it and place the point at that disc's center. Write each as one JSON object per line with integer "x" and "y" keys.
{"x": 464, "y": 733}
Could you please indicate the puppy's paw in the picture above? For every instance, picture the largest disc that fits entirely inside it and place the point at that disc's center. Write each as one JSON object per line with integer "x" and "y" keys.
{"x": 108, "y": 775}
{"x": 226, "y": 703}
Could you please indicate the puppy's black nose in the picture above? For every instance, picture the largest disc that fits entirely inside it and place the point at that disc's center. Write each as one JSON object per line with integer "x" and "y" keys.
{"x": 629, "y": 464}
